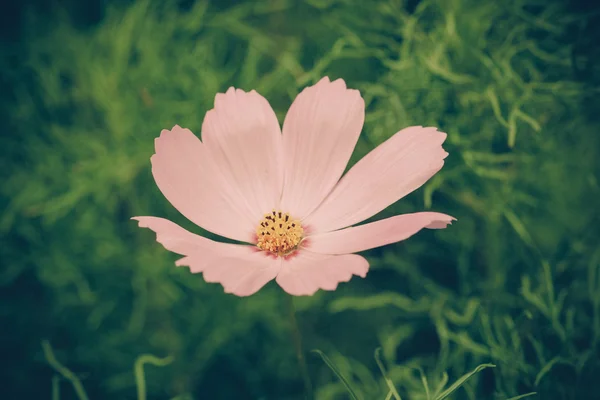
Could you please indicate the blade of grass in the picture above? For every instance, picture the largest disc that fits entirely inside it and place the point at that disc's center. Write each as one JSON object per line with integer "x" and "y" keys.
{"x": 522, "y": 396}
{"x": 64, "y": 371}
{"x": 388, "y": 381}
{"x": 546, "y": 368}
{"x": 425, "y": 384}
{"x": 56, "y": 387}
{"x": 462, "y": 380}
{"x": 441, "y": 385}
{"x": 332, "y": 366}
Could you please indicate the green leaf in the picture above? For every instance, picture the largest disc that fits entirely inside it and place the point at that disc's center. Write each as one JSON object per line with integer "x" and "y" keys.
{"x": 388, "y": 381}
{"x": 379, "y": 301}
{"x": 332, "y": 366}
{"x": 425, "y": 384}
{"x": 64, "y": 371}
{"x": 522, "y": 396}
{"x": 547, "y": 367}
{"x": 441, "y": 385}
{"x": 461, "y": 381}
{"x": 140, "y": 379}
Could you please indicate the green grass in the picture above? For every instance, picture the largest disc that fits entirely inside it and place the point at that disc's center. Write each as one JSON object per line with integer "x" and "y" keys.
{"x": 515, "y": 282}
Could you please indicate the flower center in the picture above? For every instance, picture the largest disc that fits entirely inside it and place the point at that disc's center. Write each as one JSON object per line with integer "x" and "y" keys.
{"x": 278, "y": 233}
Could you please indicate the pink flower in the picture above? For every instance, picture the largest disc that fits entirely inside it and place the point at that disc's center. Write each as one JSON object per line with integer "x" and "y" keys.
{"x": 280, "y": 192}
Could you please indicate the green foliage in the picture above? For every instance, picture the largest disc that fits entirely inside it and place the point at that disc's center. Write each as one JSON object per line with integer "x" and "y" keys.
{"x": 438, "y": 395}
{"x": 514, "y": 282}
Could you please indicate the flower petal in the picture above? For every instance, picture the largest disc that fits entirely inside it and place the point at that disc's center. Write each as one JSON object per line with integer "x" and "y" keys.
{"x": 239, "y": 268}
{"x": 376, "y": 234}
{"x": 195, "y": 247}
{"x": 243, "y": 137}
{"x": 305, "y": 272}
{"x": 245, "y": 275}
{"x": 319, "y": 134}
{"x": 395, "y": 168}
{"x": 190, "y": 181}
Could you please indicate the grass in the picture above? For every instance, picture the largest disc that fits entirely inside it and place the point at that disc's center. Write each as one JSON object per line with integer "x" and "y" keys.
{"x": 513, "y": 283}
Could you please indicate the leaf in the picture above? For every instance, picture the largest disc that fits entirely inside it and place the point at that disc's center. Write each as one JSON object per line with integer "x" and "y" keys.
{"x": 332, "y": 366}
{"x": 441, "y": 385}
{"x": 546, "y": 368}
{"x": 388, "y": 381}
{"x": 522, "y": 396}
{"x": 138, "y": 369}
{"x": 379, "y": 301}
{"x": 462, "y": 380}
{"x": 64, "y": 371}
{"x": 425, "y": 384}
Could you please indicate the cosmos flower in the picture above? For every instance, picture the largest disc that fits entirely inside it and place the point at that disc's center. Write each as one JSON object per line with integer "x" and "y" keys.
{"x": 279, "y": 192}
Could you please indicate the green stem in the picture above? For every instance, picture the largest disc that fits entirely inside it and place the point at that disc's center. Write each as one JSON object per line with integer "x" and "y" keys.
{"x": 64, "y": 371}
{"x": 138, "y": 371}
{"x": 297, "y": 338}
{"x": 55, "y": 387}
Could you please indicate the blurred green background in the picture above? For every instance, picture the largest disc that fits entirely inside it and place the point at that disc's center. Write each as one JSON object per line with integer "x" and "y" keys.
{"x": 87, "y": 86}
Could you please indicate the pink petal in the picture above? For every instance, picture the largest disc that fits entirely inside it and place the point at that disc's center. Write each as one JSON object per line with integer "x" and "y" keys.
{"x": 376, "y": 234}
{"x": 305, "y": 272}
{"x": 239, "y": 268}
{"x": 197, "y": 248}
{"x": 319, "y": 134}
{"x": 243, "y": 137}
{"x": 245, "y": 275}
{"x": 395, "y": 168}
{"x": 189, "y": 179}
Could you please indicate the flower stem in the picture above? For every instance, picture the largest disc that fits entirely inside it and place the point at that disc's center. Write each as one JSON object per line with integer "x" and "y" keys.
{"x": 297, "y": 338}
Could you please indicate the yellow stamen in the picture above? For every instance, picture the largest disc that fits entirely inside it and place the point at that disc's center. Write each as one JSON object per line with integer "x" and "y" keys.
{"x": 278, "y": 233}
